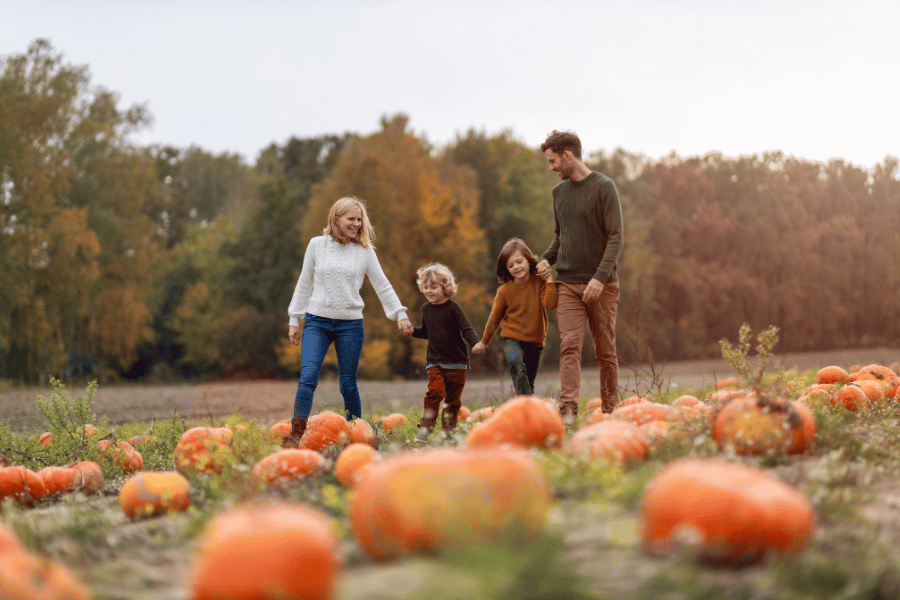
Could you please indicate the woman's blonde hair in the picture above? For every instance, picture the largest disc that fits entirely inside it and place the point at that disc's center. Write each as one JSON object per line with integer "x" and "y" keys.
{"x": 366, "y": 234}
{"x": 440, "y": 274}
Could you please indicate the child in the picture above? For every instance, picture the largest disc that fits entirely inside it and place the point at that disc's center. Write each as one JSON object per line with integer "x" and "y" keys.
{"x": 520, "y": 308}
{"x": 447, "y": 329}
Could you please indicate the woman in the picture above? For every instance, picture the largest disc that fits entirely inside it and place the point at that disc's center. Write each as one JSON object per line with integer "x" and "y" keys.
{"x": 327, "y": 299}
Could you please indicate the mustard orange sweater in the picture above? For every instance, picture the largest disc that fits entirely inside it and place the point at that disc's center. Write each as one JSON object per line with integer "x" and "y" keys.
{"x": 520, "y": 310}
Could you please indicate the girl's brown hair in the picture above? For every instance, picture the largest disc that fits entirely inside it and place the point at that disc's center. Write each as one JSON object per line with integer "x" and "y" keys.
{"x": 366, "y": 234}
{"x": 512, "y": 246}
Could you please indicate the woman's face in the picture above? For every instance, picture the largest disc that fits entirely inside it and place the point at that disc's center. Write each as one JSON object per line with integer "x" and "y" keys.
{"x": 350, "y": 223}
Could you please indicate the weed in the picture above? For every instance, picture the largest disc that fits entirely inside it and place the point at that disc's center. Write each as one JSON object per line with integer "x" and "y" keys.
{"x": 736, "y": 356}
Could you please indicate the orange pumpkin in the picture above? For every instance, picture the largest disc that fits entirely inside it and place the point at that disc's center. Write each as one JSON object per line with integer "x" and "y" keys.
{"x": 642, "y": 412}
{"x": 729, "y": 382}
{"x": 58, "y": 480}
{"x": 873, "y": 388}
{"x": 279, "y": 430}
{"x": 46, "y": 439}
{"x": 757, "y": 424}
{"x": 524, "y": 421}
{"x": 288, "y": 465}
{"x": 654, "y": 432}
{"x": 434, "y": 499}
{"x": 464, "y": 413}
{"x": 88, "y": 477}
{"x": 631, "y": 400}
{"x": 325, "y": 429}
{"x": 393, "y": 422}
{"x": 272, "y": 550}
{"x": 154, "y": 492}
{"x": 202, "y": 450}
{"x": 139, "y": 439}
{"x": 613, "y": 440}
{"x": 362, "y": 433}
{"x": 596, "y": 416}
{"x": 852, "y": 397}
{"x": 122, "y": 454}
{"x": 22, "y": 484}
{"x": 350, "y": 462}
{"x": 832, "y": 374}
{"x": 593, "y": 404}
{"x": 726, "y": 513}
{"x": 686, "y": 400}
{"x": 28, "y": 576}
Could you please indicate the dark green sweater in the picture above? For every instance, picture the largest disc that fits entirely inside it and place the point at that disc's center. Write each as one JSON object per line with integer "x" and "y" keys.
{"x": 447, "y": 329}
{"x": 589, "y": 230}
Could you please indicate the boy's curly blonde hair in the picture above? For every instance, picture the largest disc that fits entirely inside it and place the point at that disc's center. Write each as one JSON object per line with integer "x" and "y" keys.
{"x": 440, "y": 274}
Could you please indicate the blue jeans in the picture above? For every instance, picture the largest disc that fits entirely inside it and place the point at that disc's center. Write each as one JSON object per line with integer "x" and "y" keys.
{"x": 318, "y": 334}
{"x": 523, "y": 359}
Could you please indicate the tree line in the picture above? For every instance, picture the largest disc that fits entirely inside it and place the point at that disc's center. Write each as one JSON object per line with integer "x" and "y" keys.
{"x": 154, "y": 262}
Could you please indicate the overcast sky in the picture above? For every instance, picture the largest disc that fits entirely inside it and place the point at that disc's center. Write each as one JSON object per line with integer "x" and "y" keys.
{"x": 816, "y": 79}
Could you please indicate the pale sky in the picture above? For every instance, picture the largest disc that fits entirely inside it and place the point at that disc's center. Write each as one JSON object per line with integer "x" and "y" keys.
{"x": 816, "y": 79}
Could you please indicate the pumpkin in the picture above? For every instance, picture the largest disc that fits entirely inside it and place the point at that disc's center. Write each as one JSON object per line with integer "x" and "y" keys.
{"x": 642, "y": 412}
{"x": 46, "y": 439}
{"x": 757, "y": 424}
{"x": 444, "y": 498}
{"x": 393, "y": 422}
{"x": 593, "y": 404}
{"x": 524, "y": 421}
{"x": 151, "y": 493}
{"x": 686, "y": 400}
{"x": 269, "y": 550}
{"x": 874, "y": 370}
{"x": 464, "y": 413}
{"x": 873, "y": 389}
{"x": 325, "y": 429}
{"x": 654, "y": 432}
{"x": 723, "y": 396}
{"x": 279, "y": 430}
{"x": 122, "y": 454}
{"x": 202, "y": 450}
{"x": 852, "y": 397}
{"x": 613, "y": 440}
{"x": 726, "y": 513}
{"x": 58, "y": 480}
{"x": 88, "y": 477}
{"x": 22, "y": 484}
{"x": 729, "y": 382}
{"x": 288, "y": 465}
{"x": 482, "y": 414}
{"x": 351, "y": 461}
{"x": 28, "y": 576}
{"x": 139, "y": 439}
{"x": 832, "y": 374}
{"x": 89, "y": 430}
{"x": 815, "y": 396}
{"x": 596, "y": 416}
{"x": 633, "y": 400}
{"x": 362, "y": 433}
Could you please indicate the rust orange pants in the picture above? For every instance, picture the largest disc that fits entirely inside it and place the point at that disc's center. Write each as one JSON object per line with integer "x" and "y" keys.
{"x": 443, "y": 385}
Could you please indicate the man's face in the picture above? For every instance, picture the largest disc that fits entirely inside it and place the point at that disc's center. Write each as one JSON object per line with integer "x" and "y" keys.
{"x": 561, "y": 164}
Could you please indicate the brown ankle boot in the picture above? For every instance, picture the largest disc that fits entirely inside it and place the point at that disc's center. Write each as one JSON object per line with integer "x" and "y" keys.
{"x": 292, "y": 440}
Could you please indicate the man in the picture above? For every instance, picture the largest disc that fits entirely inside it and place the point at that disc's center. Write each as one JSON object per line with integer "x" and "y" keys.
{"x": 585, "y": 250}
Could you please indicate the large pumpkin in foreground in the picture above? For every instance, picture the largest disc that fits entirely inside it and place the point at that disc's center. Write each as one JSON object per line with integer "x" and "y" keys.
{"x": 269, "y": 550}
{"x": 726, "y": 513}
{"x": 25, "y": 575}
{"x": 523, "y": 421}
{"x": 429, "y": 500}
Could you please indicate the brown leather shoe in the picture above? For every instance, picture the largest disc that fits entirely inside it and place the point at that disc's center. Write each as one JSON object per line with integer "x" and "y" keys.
{"x": 292, "y": 439}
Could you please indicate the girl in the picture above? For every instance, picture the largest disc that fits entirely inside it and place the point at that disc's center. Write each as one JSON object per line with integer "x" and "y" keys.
{"x": 448, "y": 330}
{"x": 520, "y": 309}
{"x": 327, "y": 299}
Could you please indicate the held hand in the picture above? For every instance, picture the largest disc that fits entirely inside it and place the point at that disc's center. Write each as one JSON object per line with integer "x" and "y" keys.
{"x": 543, "y": 270}
{"x": 479, "y": 348}
{"x": 592, "y": 291}
{"x": 405, "y": 327}
{"x": 546, "y": 275}
{"x": 294, "y": 334}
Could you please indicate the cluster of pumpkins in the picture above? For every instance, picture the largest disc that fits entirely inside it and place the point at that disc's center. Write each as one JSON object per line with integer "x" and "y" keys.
{"x": 491, "y": 487}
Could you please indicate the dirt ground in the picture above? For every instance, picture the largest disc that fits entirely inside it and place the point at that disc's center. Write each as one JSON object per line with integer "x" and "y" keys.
{"x": 269, "y": 401}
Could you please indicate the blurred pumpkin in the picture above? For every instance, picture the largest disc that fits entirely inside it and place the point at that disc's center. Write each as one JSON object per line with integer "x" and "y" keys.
{"x": 758, "y": 423}
{"x": 122, "y": 454}
{"x": 614, "y": 440}
{"x": 325, "y": 429}
{"x": 725, "y": 513}
{"x": 25, "y": 575}
{"x": 362, "y": 433}
{"x": 268, "y": 550}
{"x": 832, "y": 374}
{"x": 523, "y": 421}
{"x": 279, "y": 430}
{"x": 351, "y": 461}
{"x": 22, "y": 484}
{"x": 393, "y": 422}
{"x": 288, "y": 465}
{"x": 151, "y": 493}
{"x": 642, "y": 412}
{"x": 202, "y": 450}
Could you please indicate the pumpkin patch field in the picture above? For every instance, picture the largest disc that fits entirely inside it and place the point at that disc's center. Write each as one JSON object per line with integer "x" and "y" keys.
{"x": 784, "y": 486}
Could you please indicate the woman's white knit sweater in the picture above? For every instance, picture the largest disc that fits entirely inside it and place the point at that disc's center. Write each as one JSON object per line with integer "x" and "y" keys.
{"x": 331, "y": 278}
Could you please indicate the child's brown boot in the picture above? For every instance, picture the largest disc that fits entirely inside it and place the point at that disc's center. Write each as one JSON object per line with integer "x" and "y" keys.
{"x": 292, "y": 439}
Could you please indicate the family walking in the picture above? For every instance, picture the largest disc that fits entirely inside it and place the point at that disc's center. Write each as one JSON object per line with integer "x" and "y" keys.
{"x": 585, "y": 293}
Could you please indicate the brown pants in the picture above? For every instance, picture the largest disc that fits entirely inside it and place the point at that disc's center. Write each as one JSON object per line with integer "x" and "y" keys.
{"x": 571, "y": 314}
{"x": 447, "y": 385}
